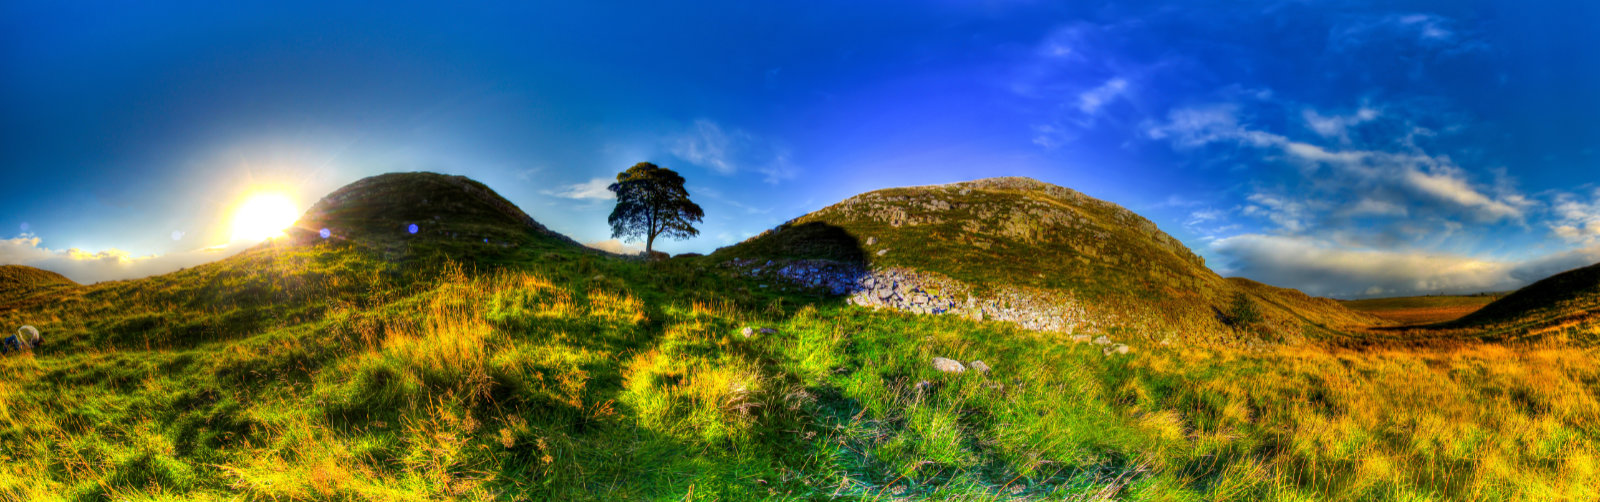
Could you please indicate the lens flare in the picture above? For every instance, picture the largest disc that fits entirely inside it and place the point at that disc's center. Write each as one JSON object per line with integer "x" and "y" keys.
{"x": 263, "y": 216}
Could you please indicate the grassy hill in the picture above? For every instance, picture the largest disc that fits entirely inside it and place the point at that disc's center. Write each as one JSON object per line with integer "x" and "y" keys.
{"x": 382, "y": 366}
{"x": 18, "y": 283}
{"x": 1563, "y": 308}
{"x": 457, "y": 216}
{"x": 1018, "y": 232}
{"x": 1420, "y": 310}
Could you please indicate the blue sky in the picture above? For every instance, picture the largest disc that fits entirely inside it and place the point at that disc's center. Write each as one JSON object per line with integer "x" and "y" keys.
{"x": 1343, "y": 148}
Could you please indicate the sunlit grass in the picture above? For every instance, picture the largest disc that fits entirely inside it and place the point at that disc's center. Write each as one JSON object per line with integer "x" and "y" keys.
{"x": 577, "y": 378}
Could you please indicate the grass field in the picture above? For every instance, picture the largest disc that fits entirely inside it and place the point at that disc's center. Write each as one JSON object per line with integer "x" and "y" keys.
{"x": 534, "y": 369}
{"x": 1417, "y": 310}
{"x": 576, "y": 377}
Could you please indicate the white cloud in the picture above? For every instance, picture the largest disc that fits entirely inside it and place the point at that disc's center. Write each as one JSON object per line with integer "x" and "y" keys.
{"x": 1447, "y": 185}
{"x": 1575, "y": 219}
{"x": 1375, "y": 207}
{"x": 1326, "y": 269}
{"x": 1190, "y": 127}
{"x": 615, "y": 246}
{"x": 1337, "y": 126}
{"x": 1421, "y": 29}
{"x": 706, "y": 144}
{"x": 108, "y": 265}
{"x": 1354, "y": 171}
{"x": 1090, "y": 101}
{"x": 728, "y": 151}
{"x": 1290, "y": 215}
{"x": 595, "y": 189}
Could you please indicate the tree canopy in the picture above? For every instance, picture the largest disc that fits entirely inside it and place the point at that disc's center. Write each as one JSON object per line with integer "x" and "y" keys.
{"x": 651, "y": 202}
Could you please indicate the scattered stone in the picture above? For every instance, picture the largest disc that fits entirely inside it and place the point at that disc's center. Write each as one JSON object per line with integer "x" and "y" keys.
{"x": 872, "y": 240}
{"x": 1102, "y": 340}
{"x": 979, "y": 366}
{"x": 882, "y": 252}
{"x": 899, "y": 289}
{"x": 769, "y": 331}
{"x": 747, "y": 331}
{"x": 1080, "y": 338}
{"x": 948, "y": 365}
{"x": 923, "y": 386}
{"x": 1117, "y": 349}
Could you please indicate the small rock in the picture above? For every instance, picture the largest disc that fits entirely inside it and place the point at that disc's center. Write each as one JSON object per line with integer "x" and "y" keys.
{"x": 769, "y": 331}
{"x": 979, "y": 366}
{"x": 923, "y": 386}
{"x": 948, "y": 365}
{"x": 882, "y": 252}
{"x": 747, "y": 331}
{"x": 1102, "y": 340}
{"x": 872, "y": 240}
{"x": 1117, "y": 349}
{"x": 1080, "y": 338}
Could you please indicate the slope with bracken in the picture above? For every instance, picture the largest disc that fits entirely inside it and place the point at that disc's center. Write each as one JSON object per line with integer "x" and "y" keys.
{"x": 1021, "y": 238}
{"x": 1561, "y": 308}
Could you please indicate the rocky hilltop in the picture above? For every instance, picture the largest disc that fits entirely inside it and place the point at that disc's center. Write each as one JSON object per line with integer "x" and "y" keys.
{"x": 1025, "y": 251}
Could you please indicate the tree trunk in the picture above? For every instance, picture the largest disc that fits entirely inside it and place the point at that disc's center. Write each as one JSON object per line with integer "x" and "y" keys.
{"x": 649, "y": 241}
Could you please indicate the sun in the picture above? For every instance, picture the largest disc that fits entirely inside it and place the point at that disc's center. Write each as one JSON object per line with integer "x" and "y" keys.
{"x": 263, "y": 216}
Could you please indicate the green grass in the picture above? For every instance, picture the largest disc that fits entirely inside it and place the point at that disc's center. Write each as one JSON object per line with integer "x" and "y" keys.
{"x": 592, "y": 378}
{"x": 309, "y": 370}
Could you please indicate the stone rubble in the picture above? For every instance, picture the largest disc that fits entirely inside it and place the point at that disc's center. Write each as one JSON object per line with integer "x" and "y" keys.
{"x": 933, "y": 294}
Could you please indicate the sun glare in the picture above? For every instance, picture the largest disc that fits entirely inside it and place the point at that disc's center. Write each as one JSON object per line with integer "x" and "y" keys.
{"x": 263, "y": 216}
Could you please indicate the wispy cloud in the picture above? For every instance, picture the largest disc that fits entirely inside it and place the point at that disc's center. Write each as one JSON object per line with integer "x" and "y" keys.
{"x": 730, "y": 150}
{"x": 1337, "y": 126}
{"x": 1090, "y": 101}
{"x": 1074, "y": 76}
{"x": 1417, "y": 28}
{"x": 1353, "y": 174}
{"x": 1329, "y": 269}
{"x": 1576, "y": 218}
{"x": 594, "y": 189}
{"x": 108, "y": 265}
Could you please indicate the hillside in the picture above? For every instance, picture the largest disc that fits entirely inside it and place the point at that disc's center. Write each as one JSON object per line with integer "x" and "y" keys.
{"x": 1017, "y": 237}
{"x": 453, "y": 214}
{"x": 1562, "y": 307}
{"x": 377, "y": 366}
{"x": 18, "y": 282}
{"x": 1422, "y": 310}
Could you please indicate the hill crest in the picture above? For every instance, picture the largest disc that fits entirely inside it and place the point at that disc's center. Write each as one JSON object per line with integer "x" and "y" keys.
{"x": 1016, "y": 237}
{"x": 388, "y": 209}
{"x": 18, "y": 281}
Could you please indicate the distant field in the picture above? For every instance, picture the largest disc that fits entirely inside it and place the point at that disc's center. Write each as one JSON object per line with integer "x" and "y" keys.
{"x": 1421, "y": 309}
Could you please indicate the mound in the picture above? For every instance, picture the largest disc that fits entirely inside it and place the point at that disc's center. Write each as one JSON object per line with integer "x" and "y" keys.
{"x": 1000, "y": 234}
{"x": 17, "y": 281}
{"x": 1564, "y": 306}
{"x": 390, "y": 210}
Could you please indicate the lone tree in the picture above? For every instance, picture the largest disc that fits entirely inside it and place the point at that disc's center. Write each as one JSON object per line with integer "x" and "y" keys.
{"x": 651, "y": 202}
